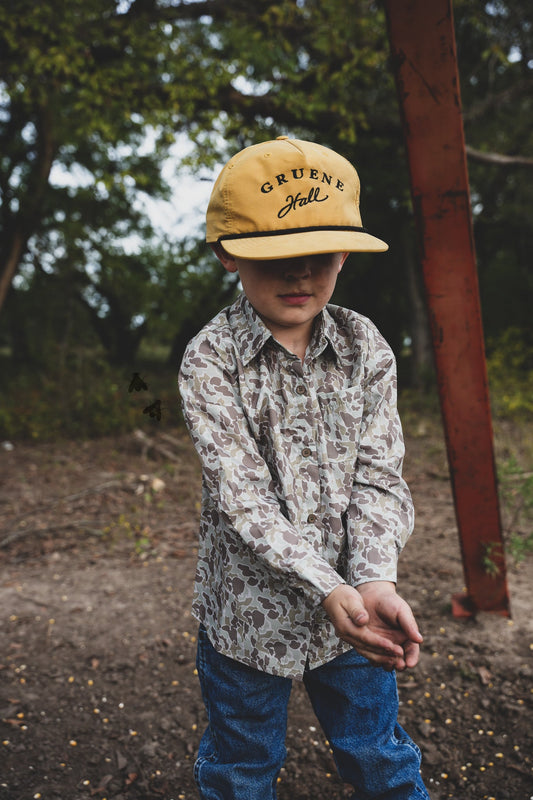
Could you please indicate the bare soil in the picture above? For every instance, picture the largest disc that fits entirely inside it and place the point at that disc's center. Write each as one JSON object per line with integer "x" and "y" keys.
{"x": 98, "y": 692}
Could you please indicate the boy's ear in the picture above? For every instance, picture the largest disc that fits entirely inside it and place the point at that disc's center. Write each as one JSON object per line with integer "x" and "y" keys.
{"x": 227, "y": 261}
{"x": 344, "y": 256}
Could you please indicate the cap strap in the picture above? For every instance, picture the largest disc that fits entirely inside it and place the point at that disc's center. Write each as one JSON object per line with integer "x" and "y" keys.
{"x": 257, "y": 234}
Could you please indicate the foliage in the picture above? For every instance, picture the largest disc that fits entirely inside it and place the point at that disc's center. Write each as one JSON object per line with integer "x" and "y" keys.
{"x": 84, "y": 398}
{"x": 510, "y": 368}
{"x": 496, "y": 69}
{"x": 84, "y": 88}
{"x": 137, "y": 532}
{"x": 516, "y": 492}
{"x": 93, "y": 94}
{"x": 157, "y": 295}
{"x": 492, "y": 558}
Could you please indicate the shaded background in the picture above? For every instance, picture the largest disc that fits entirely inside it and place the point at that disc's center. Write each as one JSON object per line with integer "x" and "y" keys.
{"x": 112, "y": 115}
{"x": 114, "y": 118}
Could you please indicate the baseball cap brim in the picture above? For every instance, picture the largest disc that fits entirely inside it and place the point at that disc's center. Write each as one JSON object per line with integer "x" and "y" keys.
{"x": 302, "y": 243}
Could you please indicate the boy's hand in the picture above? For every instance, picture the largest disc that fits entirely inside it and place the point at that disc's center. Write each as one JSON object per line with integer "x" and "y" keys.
{"x": 377, "y": 622}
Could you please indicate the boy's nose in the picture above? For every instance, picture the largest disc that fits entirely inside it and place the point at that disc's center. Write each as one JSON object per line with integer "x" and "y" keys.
{"x": 297, "y": 268}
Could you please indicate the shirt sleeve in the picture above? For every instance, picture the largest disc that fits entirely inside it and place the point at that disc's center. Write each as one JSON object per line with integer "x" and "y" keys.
{"x": 380, "y": 516}
{"x": 237, "y": 477}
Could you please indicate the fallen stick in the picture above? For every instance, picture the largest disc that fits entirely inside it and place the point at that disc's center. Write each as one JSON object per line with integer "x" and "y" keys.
{"x": 152, "y": 444}
{"x": 13, "y": 536}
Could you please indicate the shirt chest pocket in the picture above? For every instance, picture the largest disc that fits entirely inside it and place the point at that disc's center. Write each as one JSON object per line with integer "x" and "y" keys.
{"x": 342, "y": 413}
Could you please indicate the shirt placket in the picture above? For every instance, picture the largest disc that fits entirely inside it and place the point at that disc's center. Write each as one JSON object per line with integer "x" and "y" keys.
{"x": 307, "y": 472}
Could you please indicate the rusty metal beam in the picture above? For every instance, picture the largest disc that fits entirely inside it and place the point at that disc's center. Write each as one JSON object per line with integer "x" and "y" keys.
{"x": 422, "y": 44}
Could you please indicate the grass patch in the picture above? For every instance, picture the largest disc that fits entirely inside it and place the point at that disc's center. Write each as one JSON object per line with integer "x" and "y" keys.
{"x": 87, "y": 398}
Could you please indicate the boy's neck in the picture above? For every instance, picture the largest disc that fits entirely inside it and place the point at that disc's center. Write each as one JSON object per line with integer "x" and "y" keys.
{"x": 294, "y": 339}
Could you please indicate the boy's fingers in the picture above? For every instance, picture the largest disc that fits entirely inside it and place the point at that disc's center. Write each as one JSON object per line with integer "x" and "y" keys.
{"x": 356, "y": 611}
{"x": 390, "y": 641}
{"x": 407, "y": 623}
{"x": 412, "y": 653}
{"x": 371, "y": 643}
{"x": 344, "y": 605}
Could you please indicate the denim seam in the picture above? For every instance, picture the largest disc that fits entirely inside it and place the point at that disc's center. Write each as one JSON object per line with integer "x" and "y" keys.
{"x": 212, "y": 757}
{"x": 202, "y": 669}
{"x": 407, "y": 743}
{"x": 420, "y": 794}
{"x": 199, "y": 763}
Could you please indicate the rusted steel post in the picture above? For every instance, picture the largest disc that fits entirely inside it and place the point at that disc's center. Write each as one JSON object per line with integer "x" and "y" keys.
{"x": 422, "y": 43}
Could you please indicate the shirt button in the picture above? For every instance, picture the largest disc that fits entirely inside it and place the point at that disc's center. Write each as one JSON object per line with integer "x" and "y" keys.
{"x": 312, "y": 518}
{"x": 306, "y": 452}
{"x": 300, "y": 389}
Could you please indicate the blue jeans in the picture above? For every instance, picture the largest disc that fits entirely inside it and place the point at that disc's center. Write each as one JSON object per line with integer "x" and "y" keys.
{"x": 243, "y": 749}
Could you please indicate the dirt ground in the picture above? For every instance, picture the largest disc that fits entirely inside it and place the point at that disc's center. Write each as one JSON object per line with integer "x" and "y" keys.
{"x": 98, "y": 692}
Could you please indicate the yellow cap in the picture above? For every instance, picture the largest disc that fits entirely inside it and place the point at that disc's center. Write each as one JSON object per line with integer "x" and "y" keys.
{"x": 286, "y": 198}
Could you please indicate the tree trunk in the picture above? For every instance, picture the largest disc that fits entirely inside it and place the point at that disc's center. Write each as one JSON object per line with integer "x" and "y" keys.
{"x": 29, "y": 214}
{"x": 422, "y": 367}
{"x": 11, "y": 264}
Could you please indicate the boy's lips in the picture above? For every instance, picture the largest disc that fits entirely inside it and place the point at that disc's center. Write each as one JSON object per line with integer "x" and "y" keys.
{"x": 296, "y": 298}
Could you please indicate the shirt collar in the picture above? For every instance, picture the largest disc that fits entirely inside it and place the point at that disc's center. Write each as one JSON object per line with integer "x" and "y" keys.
{"x": 325, "y": 333}
{"x": 252, "y": 334}
{"x": 250, "y": 331}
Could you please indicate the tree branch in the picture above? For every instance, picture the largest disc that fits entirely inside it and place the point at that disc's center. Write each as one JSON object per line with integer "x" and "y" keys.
{"x": 499, "y": 159}
{"x": 218, "y": 9}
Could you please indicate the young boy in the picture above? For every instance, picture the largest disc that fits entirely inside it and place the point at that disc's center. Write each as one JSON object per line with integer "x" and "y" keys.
{"x": 291, "y": 404}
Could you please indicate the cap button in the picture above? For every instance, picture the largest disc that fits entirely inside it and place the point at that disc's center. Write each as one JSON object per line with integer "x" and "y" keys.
{"x": 280, "y": 138}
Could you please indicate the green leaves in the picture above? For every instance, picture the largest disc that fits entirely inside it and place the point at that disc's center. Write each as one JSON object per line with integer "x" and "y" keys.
{"x": 86, "y": 84}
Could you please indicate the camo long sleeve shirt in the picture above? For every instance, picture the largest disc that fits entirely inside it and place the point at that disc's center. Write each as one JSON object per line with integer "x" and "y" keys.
{"x": 302, "y": 486}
